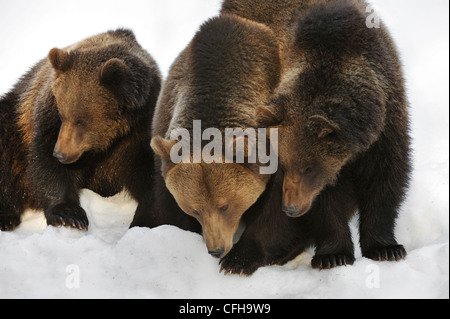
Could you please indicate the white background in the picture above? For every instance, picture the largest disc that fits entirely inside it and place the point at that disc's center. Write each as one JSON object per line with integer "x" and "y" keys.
{"x": 112, "y": 261}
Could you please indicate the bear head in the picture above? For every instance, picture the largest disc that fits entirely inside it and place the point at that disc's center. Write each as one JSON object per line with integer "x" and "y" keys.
{"x": 325, "y": 118}
{"x": 216, "y": 194}
{"x": 97, "y": 94}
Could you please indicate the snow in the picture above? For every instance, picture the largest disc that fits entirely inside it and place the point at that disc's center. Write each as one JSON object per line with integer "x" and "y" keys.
{"x": 112, "y": 261}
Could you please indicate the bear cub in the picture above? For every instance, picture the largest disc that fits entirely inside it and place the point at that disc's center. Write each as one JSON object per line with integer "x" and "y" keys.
{"x": 78, "y": 119}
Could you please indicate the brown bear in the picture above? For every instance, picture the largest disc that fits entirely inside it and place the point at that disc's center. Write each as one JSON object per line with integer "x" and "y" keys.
{"x": 78, "y": 119}
{"x": 344, "y": 142}
{"x": 231, "y": 66}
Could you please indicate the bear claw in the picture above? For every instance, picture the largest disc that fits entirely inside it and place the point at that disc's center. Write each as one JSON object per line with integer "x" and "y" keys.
{"x": 237, "y": 269}
{"x": 237, "y": 264}
{"x": 68, "y": 215}
{"x": 331, "y": 261}
{"x": 9, "y": 221}
{"x": 388, "y": 253}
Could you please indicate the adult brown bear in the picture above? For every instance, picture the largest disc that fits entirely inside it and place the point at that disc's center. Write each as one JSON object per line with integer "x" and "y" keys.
{"x": 230, "y": 66}
{"x": 343, "y": 126}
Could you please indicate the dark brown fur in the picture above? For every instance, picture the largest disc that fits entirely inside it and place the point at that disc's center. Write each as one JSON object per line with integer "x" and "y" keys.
{"x": 78, "y": 119}
{"x": 342, "y": 116}
{"x": 276, "y": 14}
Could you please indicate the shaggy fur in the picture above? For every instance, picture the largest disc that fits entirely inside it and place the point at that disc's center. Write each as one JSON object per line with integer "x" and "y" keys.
{"x": 231, "y": 66}
{"x": 344, "y": 139}
{"x": 79, "y": 119}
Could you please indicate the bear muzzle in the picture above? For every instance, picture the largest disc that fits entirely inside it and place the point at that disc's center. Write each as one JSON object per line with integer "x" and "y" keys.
{"x": 295, "y": 211}
{"x": 218, "y": 247}
{"x": 297, "y": 197}
{"x": 218, "y": 236}
{"x": 291, "y": 211}
{"x": 69, "y": 146}
{"x": 218, "y": 253}
{"x": 64, "y": 158}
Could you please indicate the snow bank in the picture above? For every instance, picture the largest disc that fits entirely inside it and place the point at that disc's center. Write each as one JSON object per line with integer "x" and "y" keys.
{"x": 112, "y": 261}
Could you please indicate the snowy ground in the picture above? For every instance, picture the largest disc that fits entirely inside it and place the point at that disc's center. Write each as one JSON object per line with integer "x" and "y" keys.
{"x": 111, "y": 261}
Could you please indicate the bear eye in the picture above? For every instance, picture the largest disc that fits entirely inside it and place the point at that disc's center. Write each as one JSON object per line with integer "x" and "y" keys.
{"x": 224, "y": 208}
{"x": 79, "y": 123}
{"x": 308, "y": 170}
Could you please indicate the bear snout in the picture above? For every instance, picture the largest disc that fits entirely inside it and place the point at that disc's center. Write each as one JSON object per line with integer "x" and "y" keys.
{"x": 218, "y": 253}
{"x": 291, "y": 211}
{"x": 217, "y": 247}
{"x": 297, "y": 197}
{"x": 70, "y": 145}
{"x": 62, "y": 157}
{"x": 296, "y": 211}
{"x": 65, "y": 158}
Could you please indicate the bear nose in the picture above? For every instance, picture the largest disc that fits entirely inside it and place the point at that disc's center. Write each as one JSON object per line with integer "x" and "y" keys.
{"x": 60, "y": 156}
{"x": 217, "y": 253}
{"x": 291, "y": 211}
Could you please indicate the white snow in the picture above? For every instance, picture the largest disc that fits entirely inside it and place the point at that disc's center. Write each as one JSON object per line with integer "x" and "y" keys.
{"x": 112, "y": 261}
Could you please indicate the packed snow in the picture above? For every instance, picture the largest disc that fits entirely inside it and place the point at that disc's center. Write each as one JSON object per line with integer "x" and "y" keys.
{"x": 112, "y": 261}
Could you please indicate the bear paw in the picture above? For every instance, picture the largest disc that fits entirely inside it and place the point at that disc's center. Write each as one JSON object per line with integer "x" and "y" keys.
{"x": 387, "y": 253}
{"x": 238, "y": 266}
{"x": 240, "y": 262}
{"x": 9, "y": 221}
{"x": 69, "y": 215}
{"x": 331, "y": 261}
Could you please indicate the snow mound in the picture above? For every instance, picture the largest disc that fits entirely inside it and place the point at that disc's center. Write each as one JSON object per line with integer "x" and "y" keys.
{"x": 112, "y": 261}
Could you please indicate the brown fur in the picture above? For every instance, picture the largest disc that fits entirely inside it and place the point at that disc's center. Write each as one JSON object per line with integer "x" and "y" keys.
{"x": 342, "y": 115}
{"x": 78, "y": 119}
{"x": 276, "y": 14}
{"x": 93, "y": 107}
{"x": 25, "y": 118}
{"x": 231, "y": 66}
{"x": 217, "y": 195}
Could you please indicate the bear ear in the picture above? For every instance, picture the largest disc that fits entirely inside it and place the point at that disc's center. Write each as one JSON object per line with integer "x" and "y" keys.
{"x": 113, "y": 73}
{"x": 265, "y": 117}
{"x": 60, "y": 60}
{"x": 321, "y": 126}
{"x": 162, "y": 147}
